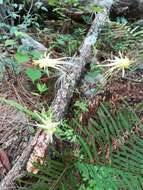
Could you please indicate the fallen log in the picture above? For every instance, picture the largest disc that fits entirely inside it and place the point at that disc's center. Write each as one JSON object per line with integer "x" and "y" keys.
{"x": 59, "y": 104}
{"x": 8, "y": 182}
{"x": 27, "y": 40}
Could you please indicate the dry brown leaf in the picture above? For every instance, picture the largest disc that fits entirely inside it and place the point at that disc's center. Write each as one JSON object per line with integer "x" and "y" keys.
{"x": 5, "y": 160}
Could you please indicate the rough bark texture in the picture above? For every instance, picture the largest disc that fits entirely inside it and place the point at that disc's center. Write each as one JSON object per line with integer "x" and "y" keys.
{"x": 8, "y": 182}
{"x": 29, "y": 41}
{"x": 63, "y": 97}
{"x": 60, "y": 103}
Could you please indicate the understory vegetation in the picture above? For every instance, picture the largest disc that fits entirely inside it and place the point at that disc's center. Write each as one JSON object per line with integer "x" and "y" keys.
{"x": 71, "y": 102}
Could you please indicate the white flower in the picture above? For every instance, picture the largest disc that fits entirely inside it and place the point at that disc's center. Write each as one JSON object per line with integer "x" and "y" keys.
{"x": 59, "y": 65}
{"x": 46, "y": 62}
{"x": 120, "y": 63}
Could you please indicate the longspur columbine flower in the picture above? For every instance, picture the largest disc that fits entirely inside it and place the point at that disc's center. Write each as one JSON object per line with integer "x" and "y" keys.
{"x": 118, "y": 63}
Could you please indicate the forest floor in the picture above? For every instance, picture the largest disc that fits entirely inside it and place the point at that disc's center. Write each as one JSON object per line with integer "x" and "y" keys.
{"x": 62, "y": 38}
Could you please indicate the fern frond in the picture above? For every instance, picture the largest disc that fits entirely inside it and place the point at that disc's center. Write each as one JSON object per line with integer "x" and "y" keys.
{"x": 117, "y": 37}
{"x": 55, "y": 174}
{"x": 111, "y": 146}
{"x": 114, "y": 145}
{"x": 108, "y": 178}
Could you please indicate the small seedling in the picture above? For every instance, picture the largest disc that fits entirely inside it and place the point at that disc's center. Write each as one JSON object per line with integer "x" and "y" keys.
{"x": 47, "y": 123}
{"x": 42, "y": 87}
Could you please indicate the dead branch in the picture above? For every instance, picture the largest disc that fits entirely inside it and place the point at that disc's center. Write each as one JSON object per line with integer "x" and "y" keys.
{"x": 27, "y": 40}
{"x": 17, "y": 169}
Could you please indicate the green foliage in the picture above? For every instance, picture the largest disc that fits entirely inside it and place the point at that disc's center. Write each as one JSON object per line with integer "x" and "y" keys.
{"x": 81, "y": 105}
{"x": 109, "y": 158}
{"x": 63, "y": 2}
{"x": 55, "y": 174}
{"x": 33, "y": 74}
{"x": 105, "y": 152}
{"x": 87, "y": 19}
{"x": 66, "y": 43}
{"x": 10, "y": 42}
{"x": 21, "y": 58}
{"x": 96, "y": 9}
{"x": 42, "y": 87}
{"x": 110, "y": 148}
{"x": 53, "y": 2}
{"x": 107, "y": 178}
{"x": 66, "y": 133}
{"x": 120, "y": 37}
{"x": 115, "y": 147}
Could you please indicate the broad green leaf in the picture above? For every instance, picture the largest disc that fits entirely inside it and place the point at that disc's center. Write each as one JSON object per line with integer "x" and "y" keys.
{"x": 19, "y": 34}
{"x": 33, "y": 74}
{"x": 21, "y": 58}
{"x": 53, "y": 2}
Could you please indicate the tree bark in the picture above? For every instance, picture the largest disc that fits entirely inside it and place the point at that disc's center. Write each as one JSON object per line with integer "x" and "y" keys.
{"x": 27, "y": 40}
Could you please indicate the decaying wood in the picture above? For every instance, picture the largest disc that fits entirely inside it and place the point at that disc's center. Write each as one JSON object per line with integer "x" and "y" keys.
{"x": 27, "y": 40}
{"x": 60, "y": 103}
{"x": 64, "y": 94}
{"x": 17, "y": 169}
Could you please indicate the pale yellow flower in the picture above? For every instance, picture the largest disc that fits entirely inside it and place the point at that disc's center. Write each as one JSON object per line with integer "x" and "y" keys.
{"x": 46, "y": 62}
{"x": 59, "y": 65}
{"x": 120, "y": 63}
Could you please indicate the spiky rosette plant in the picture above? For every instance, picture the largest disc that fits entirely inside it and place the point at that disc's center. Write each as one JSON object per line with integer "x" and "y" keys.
{"x": 59, "y": 66}
{"x": 116, "y": 65}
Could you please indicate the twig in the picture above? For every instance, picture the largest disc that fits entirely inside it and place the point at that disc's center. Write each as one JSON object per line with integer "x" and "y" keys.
{"x": 30, "y": 8}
